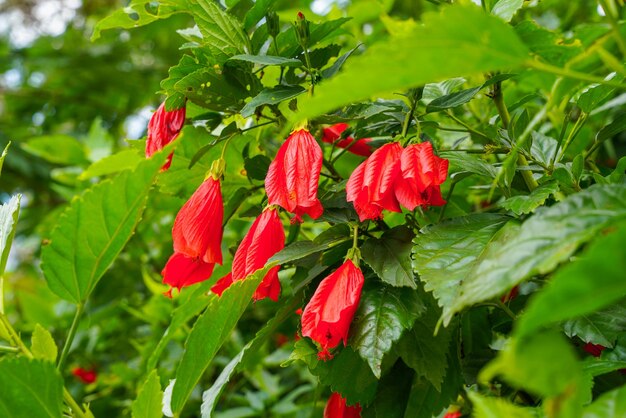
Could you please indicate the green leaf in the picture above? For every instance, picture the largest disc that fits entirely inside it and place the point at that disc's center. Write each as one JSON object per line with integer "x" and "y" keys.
{"x": 288, "y": 43}
{"x": 424, "y": 351}
{"x": 425, "y": 401}
{"x": 612, "y": 129}
{"x": 256, "y": 13}
{"x": 271, "y": 96}
{"x": 301, "y": 249}
{"x": 594, "y": 96}
{"x": 3, "y": 155}
{"x": 596, "y": 367}
{"x": 583, "y": 286}
{"x": 462, "y": 162}
{"x": 393, "y": 394}
{"x": 268, "y": 60}
{"x": 149, "y": 398}
{"x": 9, "y": 213}
{"x": 123, "y": 160}
{"x": 58, "y": 149}
{"x": 444, "y": 253}
{"x": 523, "y": 204}
{"x": 384, "y": 314}
{"x": 506, "y": 9}
{"x": 43, "y": 345}
{"x": 257, "y": 166}
{"x": 390, "y": 256}
{"x": 221, "y": 32}
{"x": 208, "y": 334}
{"x": 488, "y": 407}
{"x": 137, "y": 13}
{"x": 94, "y": 230}
{"x": 211, "y": 396}
{"x": 452, "y": 100}
{"x": 346, "y": 374}
{"x": 544, "y": 241}
{"x": 611, "y": 404}
{"x": 599, "y": 327}
{"x": 30, "y": 388}
{"x": 474, "y": 43}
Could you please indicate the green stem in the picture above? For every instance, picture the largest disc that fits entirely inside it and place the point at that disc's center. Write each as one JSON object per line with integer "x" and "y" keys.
{"x": 467, "y": 127}
{"x": 575, "y": 130}
{"x": 70, "y": 336}
{"x": 564, "y": 72}
{"x": 6, "y": 349}
{"x": 443, "y": 208}
{"x": 415, "y": 96}
{"x": 1, "y": 294}
{"x": 309, "y": 69}
{"x": 282, "y": 69}
{"x": 608, "y": 11}
{"x": 76, "y": 409}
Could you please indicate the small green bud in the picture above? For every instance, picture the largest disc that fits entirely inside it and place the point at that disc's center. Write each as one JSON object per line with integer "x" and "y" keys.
{"x": 302, "y": 30}
{"x": 273, "y": 24}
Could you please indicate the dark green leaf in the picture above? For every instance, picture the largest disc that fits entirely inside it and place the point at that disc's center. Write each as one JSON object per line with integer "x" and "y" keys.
{"x": 444, "y": 253}
{"x": 334, "y": 69}
{"x": 583, "y": 286}
{"x": 272, "y": 96}
{"x": 9, "y": 213}
{"x": 268, "y": 60}
{"x": 596, "y": 367}
{"x": 452, "y": 100}
{"x": 42, "y": 344}
{"x": 487, "y": 407}
{"x": 594, "y": 96}
{"x": 30, "y": 388}
{"x": 415, "y": 58}
{"x": 58, "y": 149}
{"x": 390, "y": 256}
{"x": 612, "y": 129}
{"x": 208, "y": 335}
{"x": 95, "y": 228}
{"x": 384, "y": 314}
{"x": 149, "y": 398}
{"x": 257, "y": 166}
{"x": 610, "y": 405}
{"x": 393, "y": 394}
{"x": 288, "y": 43}
{"x": 523, "y": 204}
{"x": 302, "y": 249}
{"x": 545, "y": 240}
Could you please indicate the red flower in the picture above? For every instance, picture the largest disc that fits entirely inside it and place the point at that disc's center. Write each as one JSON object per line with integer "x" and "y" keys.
{"x": 197, "y": 231}
{"x": 327, "y": 317}
{"x": 265, "y": 238}
{"x": 455, "y": 414}
{"x": 180, "y": 271}
{"x": 292, "y": 178}
{"x": 84, "y": 375}
{"x": 163, "y": 128}
{"x": 422, "y": 174}
{"x": 336, "y": 408}
{"x": 371, "y": 185}
{"x": 511, "y": 295}
{"x": 594, "y": 349}
{"x": 358, "y": 146}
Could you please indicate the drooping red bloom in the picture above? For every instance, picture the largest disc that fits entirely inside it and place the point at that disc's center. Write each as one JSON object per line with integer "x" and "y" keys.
{"x": 328, "y": 315}
{"x": 336, "y": 407}
{"x": 84, "y": 375}
{"x": 181, "y": 271}
{"x": 356, "y": 146}
{"x": 455, "y": 414}
{"x": 197, "y": 231}
{"x": 293, "y": 176}
{"x": 371, "y": 185}
{"x": 422, "y": 173}
{"x": 222, "y": 284}
{"x": 594, "y": 349}
{"x": 163, "y": 128}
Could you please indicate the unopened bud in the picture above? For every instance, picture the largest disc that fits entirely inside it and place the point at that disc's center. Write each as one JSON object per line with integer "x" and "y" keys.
{"x": 302, "y": 30}
{"x": 273, "y": 24}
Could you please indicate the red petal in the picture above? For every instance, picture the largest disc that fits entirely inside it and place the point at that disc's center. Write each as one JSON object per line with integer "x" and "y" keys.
{"x": 181, "y": 271}
{"x": 163, "y": 128}
{"x": 222, "y": 284}
{"x": 336, "y": 407}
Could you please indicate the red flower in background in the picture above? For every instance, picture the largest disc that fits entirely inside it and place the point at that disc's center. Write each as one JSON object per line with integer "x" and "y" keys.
{"x": 422, "y": 173}
{"x": 293, "y": 176}
{"x": 336, "y": 407}
{"x": 328, "y": 315}
{"x": 197, "y": 231}
{"x": 371, "y": 185}
{"x": 359, "y": 146}
{"x": 265, "y": 238}
{"x": 163, "y": 128}
{"x": 455, "y": 414}
{"x": 84, "y": 375}
{"x": 594, "y": 349}
{"x": 181, "y": 271}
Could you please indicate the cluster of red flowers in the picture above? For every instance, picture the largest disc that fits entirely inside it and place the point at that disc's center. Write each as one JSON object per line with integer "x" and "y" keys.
{"x": 87, "y": 376}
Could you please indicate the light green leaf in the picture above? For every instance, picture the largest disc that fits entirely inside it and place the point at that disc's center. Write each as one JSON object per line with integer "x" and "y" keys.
{"x": 94, "y": 229}
{"x": 137, "y": 13}
{"x": 523, "y": 204}
{"x": 583, "y": 286}
{"x": 599, "y": 327}
{"x": 30, "y": 388}
{"x": 474, "y": 41}
{"x": 149, "y": 398}
{"x": 123, "y": 160}
{"x": 444, "y": 253}
{"x": 221, "y": 31}
{"x": 256, "y": 13}
{"x": 611, "y": 404}
{"x": 268, "y": 60}
{"x": 538, "y": 246}
{"x": 209, "y": 333}
{"x": 506, "y": 9}
{"x": 9, "y": 213}
{"x": 596, "y": 367}
{"x": 58, "y": 149}
{"x": 390, "y": 256}
{"x": 272, "y": 96}
{"x": 43, "y": 345}
{"x": 384, "y": 313}
{"x": 3, "y": 155}
{"x": 486, "y": 407}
